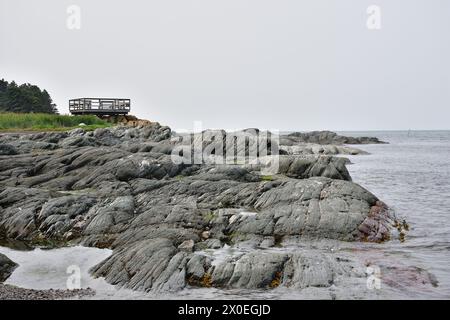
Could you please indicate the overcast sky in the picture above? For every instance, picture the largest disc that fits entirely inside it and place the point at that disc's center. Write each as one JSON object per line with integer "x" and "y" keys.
{"x": 273, "y": 64}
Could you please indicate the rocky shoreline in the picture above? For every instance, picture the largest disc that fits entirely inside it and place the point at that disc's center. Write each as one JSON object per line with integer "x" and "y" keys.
{"x": 119, "y": 188}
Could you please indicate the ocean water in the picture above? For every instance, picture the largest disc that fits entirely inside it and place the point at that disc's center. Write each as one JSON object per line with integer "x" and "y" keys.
{"x": 411, "y": 174}
{"x": 52, "y": 269}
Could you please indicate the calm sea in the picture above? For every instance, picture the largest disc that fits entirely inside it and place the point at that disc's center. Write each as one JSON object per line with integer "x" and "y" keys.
{"x": 412, "y": 175}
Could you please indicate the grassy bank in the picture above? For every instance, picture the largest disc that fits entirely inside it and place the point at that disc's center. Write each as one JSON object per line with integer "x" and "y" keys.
{"x": 48, "y": 122}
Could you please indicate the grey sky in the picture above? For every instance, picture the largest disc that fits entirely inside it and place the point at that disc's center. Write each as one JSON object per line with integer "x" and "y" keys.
{"x": 284, "y": 64}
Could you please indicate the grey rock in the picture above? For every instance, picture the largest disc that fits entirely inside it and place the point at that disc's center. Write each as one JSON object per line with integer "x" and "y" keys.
{"x": 251, "y": 271}
{"x": 317, "y": 149}
{"x": 7, "y": 149}
{"x": 302, "y": 167}
{"x": 325, "y": 137}
{"x": 187, "y": 245}
{"x": 109, "y": 216}
{"x": 6, "y": 267}
{"x": 64, "y": 214}
{"x": 118, "y": 188}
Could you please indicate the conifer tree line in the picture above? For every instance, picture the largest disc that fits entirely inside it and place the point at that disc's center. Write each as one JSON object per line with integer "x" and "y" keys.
{"x": 25, "y": 98}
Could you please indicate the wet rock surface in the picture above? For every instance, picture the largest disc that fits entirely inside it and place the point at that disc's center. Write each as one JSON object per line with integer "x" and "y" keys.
{"x": 6, "y": 267}
{"x": 118, "y": 188}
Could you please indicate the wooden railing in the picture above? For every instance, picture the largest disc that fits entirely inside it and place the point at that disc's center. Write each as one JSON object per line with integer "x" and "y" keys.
{"x": 99, "y": 106}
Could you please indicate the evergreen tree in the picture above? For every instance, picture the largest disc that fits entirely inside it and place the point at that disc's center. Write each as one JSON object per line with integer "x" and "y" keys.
{"x": 3, "y": 85}
{"x": 25, "y": 98}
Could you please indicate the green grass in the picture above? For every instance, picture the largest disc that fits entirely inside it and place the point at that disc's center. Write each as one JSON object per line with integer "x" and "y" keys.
{"x": 209, "y": 216}
{"x": 52, "y": 122}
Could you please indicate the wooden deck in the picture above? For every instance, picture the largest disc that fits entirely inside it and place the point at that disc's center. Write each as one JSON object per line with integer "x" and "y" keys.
{"x": 99, "y": 106}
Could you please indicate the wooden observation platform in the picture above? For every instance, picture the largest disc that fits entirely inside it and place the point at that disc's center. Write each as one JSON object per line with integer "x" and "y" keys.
{"x": 99, "y": 106}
